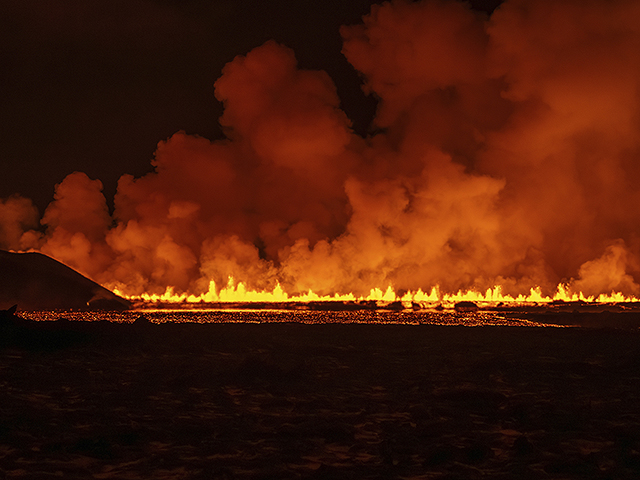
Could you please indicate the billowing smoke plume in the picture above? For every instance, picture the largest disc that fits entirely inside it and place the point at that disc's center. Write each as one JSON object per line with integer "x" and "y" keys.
{"x": 506, "y": 152}
{"x": 17, "y": 215}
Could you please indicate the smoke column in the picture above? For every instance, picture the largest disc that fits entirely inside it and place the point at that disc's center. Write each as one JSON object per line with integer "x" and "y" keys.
{"x": 505, "y": 151}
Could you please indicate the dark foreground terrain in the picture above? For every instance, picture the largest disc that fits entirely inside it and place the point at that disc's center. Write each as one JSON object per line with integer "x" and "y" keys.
{"x": 288, "y": 401}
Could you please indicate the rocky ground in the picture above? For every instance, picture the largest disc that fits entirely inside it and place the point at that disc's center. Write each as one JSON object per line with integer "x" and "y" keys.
{"x": 289, "y": 401}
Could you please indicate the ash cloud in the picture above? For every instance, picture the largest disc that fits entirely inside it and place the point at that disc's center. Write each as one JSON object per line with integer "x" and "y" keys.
{"x": 506, "y": 153}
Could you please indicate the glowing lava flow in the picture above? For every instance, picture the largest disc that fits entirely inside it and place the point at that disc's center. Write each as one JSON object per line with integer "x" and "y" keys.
{"x": 233, "y": 293}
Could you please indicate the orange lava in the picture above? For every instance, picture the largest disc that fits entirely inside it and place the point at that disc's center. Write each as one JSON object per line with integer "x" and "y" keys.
{"x": 233, "y": 293}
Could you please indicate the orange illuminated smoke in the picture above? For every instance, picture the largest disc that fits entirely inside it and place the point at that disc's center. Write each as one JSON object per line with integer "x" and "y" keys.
{"x": 505, "y": 151}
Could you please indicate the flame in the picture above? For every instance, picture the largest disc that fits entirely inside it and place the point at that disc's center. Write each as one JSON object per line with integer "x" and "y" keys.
{"x": 238, "y": 293}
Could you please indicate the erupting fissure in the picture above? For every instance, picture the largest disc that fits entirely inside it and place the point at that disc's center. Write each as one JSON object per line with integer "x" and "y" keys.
{"x": 233, "y": 293}
{"x": 505, "y": 151}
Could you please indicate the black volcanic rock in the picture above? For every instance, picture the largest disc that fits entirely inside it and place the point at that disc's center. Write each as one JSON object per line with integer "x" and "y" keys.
{"x": 466, "y": 306}
{"x": 37, "y": 282}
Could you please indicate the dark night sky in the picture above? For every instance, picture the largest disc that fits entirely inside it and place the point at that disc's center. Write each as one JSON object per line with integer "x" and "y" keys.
{"x": 93, "y": 86}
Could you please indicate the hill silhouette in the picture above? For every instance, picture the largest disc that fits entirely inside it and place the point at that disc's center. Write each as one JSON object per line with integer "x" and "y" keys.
{"x": 35, "y": 281}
